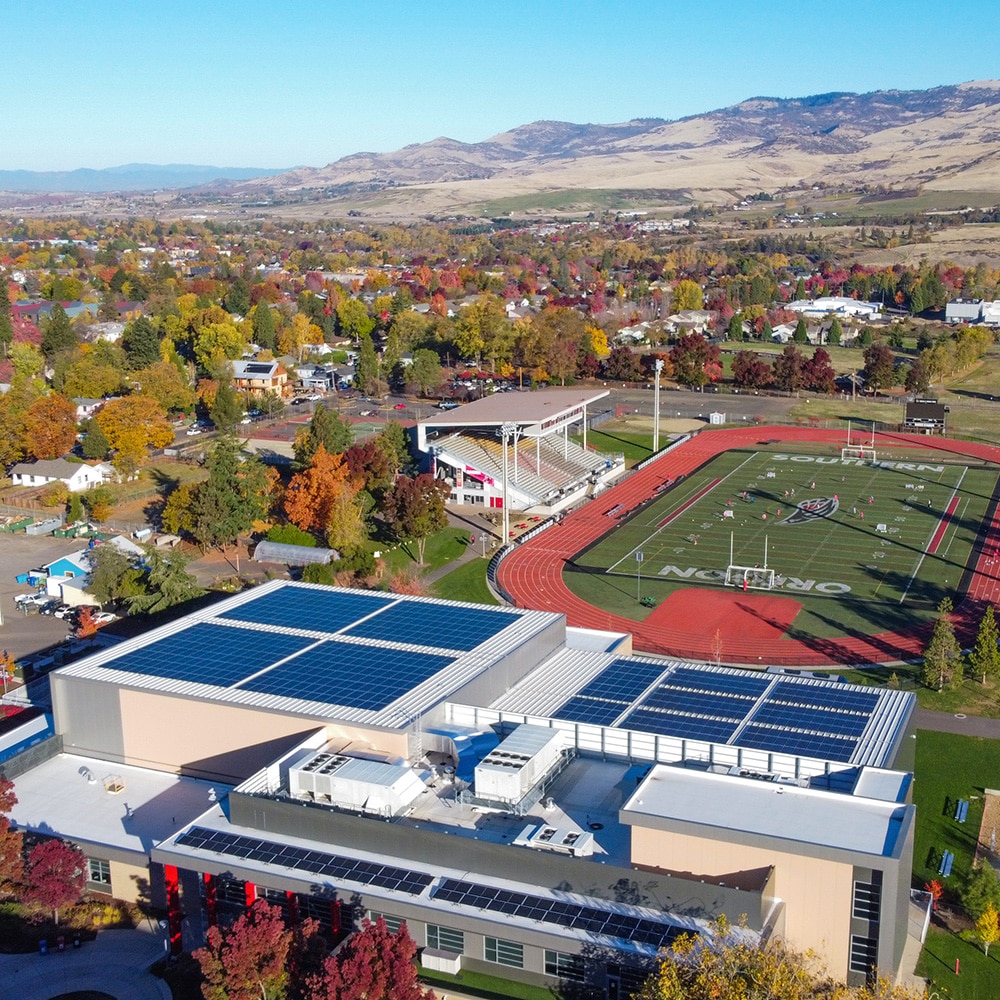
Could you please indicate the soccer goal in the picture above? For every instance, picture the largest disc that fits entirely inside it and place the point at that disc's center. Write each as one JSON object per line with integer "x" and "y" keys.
{"x": 749, "y": 577}
{"x": 864, "y": 454}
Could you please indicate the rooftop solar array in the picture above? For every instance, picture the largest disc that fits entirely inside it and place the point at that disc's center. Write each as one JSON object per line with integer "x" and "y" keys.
{"x": 760, "y": 711}
{"x": 191, "y": 655}
{"x": 343, "y": 673}
{"x": 333, "y": 866}
{"x": 578, "y": 916}
{"x": 445, "y": 625}
{"x": 358, "y": 655}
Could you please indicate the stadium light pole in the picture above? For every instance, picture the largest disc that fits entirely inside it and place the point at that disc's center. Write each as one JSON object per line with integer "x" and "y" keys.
{"x": 506, "y": 431}
{"x": 657, "y": 368}
{"x": 638, "y": 575}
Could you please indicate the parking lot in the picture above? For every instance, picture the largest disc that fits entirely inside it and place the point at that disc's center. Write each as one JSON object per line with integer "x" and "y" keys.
{"x": 22, "y": 634}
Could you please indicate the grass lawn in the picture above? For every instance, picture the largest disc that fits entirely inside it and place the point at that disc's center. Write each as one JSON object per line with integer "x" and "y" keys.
{"x": 480, "y": 985}
{"x": 979, "y": 976}
{"x": 949, "y": 767}
{"x": 634, "y": 445}
{"x": 847, "y": 573}
{"x": 465, "y": 583}
{"x": 441, "y": 549}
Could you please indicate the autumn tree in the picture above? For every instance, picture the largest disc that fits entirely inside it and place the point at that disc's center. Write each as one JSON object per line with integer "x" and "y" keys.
{"x": 692, "y": 357}
{"x": 163, "y": 381}
{"x": 11, "y": 840}
{"x": 249, "y": 961}
{"x": 687, "y": 294}
{"x": 415, "y": 509}
{"x": 50, "y": 426}
{"x": 54, "y": 877}
{"x": 987, "y": 927}
{"x": 787, "y": 370}
{"x": 374, "y": 964}
{"x": 132, "y": 425}
{"x": 818, "y": 373}
{"x": 622, "y": 364}
{"x": 354, "y": 321}
{"x": 943, "y": 656}
{"x": 880, "y": 367}
{"x": 984, "y": 658}
{"x": 483, "y": 328}
{"x": 322, "y": 499}
{"x": 750, "y": 371}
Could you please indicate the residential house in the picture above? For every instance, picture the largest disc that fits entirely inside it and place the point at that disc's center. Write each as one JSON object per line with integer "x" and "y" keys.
{"x": 77, "y": 477}
{"x": 259, "y": 376}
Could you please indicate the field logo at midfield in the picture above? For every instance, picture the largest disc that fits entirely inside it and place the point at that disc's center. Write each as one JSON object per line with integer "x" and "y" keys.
{"x": 811, "y": 509}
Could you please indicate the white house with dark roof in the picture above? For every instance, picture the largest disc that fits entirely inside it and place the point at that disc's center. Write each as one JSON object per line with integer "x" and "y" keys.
{"x": 58, "y": 470}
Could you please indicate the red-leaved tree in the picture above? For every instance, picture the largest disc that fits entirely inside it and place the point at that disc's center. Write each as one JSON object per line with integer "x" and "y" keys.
{"x": 54, "y": 876}
{"x": 374, "y": 964}
{"x": 11, "y": 842}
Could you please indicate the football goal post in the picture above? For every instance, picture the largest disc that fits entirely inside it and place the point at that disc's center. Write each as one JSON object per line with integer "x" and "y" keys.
{"x": 859, "y": 451}
{"x": 749, "y": 577}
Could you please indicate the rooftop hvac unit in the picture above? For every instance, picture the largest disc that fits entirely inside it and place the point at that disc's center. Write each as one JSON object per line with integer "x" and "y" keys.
{"x": 577, "y": 843}
{"x": 524, "y": 758}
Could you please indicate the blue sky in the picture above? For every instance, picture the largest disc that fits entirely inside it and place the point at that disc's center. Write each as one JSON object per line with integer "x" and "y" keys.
{"x": 276, "y": 83}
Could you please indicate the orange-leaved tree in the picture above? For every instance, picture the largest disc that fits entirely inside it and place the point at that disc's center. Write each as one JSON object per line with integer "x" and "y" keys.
{"x": 322, "y": 499}
{"x": 50, "y": 426}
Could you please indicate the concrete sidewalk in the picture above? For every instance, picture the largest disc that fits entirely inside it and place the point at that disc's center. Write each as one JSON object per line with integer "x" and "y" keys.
{"x": 117, "y": 963}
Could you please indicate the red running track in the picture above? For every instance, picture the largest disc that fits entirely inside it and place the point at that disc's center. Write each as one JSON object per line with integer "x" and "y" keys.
{"x": 942, "y": 526}
{"x": 532, "y": 573}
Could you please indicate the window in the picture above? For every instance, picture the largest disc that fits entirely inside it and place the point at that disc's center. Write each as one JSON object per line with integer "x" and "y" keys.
{"x": 392, "y": 924}
{"x": 864, "y": 954}
{"x": 867, "y": 900}
{"x": 99, "y": 873}
{"x": 504, "y": 953}
{"x": 445, "y": 939}
{"x": 568, "y": 967}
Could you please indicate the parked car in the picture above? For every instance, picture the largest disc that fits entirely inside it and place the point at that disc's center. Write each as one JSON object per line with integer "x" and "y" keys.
{"x": 66, "y": 611}
{"x": 192, "y": 431}
{"x": 400, "y": 406}
{"x": 313, "y": 396}
{"x": 58, "y": 609}
{"x": 103, "y": 618}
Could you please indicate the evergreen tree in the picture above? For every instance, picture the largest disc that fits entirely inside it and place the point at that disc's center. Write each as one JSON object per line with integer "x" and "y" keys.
{"x": 800, "y": 289}
{"x": 238, "y": 298}
{"x": 366, "y": 371}
{"x": 6, "y": 326}
{"x": 801, "y": 334}
{"x": 327, "y": 429}
{"x": 57, "y": 332}
{"x": 735, "y": 329}
{"x": 943, "y": 657}
{"x": 984, "y": 659}
{"x": 95, "y": 443}
{"x": 836, "y": 332}
{"x": 141, "y": 342}
{"x": 227, "y": 409}
{"x": 166, "y": 583}
{"x": 264, "y": 333}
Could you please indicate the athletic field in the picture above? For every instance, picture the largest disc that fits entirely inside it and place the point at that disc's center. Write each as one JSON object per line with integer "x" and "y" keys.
{"x": 863, "y": 547}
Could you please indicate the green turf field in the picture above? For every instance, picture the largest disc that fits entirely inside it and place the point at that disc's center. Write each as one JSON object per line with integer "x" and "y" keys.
{"x": 854, "y": 562}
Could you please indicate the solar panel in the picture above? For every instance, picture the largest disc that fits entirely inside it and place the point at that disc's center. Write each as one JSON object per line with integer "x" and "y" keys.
{"x": 257, "y": 368}
{"x": 210, "y": 654}
{"x": 321, "y": 610}
{"x": 437, "y": 625}
{"x": 815, "y": 719}
{"x": 345, "y": 673}
{"x": 749, "y": 685}
{"x": 297, "y": 858}
{"x": 592, "y": 711}
{"x": 576, "y": 915}
{"x": 623, "y": 680}
{"x": 698, "y": 702}
{"x": 687, "y": 727}
{"x": 828, "y": 697}
{"x": 797, "y": 744}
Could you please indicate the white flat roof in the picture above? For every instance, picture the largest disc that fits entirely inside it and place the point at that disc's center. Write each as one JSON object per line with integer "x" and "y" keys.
{"x": 767, "y": 809}
{"x": 517, "y": 407}
{"x": 66, "y": 796}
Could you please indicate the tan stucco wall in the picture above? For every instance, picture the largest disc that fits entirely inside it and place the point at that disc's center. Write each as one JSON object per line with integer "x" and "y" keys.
{"x": 817, "y": 894}
{"x": 130, "y": 882}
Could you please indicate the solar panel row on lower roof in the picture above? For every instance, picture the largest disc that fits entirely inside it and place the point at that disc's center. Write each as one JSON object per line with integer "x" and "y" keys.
{"x": 685, "y": 727}
{"x": 623, "y": 680}
{"x": 771, "y": 738}
{"x": 748, "y": 685}
{"x": 346, "y": 673}
{"x": 334, "y": 866}
{"x": 698, "y": 703}
{"x": 592, "y": 711}
{"x": 815, "y": 720}
{"x": 210, "y": 654}
{"x": 829, "y": 696}
{"x": 577, "y": 916}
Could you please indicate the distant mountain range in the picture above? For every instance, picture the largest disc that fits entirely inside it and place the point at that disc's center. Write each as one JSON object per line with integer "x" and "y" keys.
{"x": 130, "y": 177}
{"x": 945, "y": 138}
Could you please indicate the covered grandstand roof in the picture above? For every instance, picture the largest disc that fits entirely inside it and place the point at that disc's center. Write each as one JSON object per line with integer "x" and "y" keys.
{"x": 520, "y": 408}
